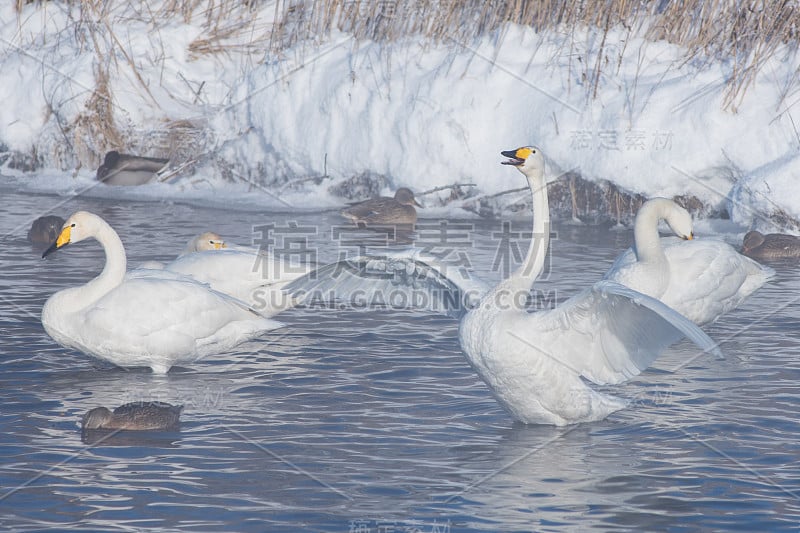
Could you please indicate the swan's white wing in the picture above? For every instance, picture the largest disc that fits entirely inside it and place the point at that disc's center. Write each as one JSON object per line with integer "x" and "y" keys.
{"x": 405, "y": 279}
{"x": 610, "y": 333}
{"x": 707, "y": 277}
{"x": 170, "y": 315}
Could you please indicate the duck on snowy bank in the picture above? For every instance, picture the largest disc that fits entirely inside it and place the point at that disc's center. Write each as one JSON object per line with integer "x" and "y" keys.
{"x": 128, "y": 170}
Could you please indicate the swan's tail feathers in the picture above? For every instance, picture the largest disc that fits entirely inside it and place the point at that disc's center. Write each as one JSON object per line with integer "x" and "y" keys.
{"x": 403, "y": 280}
{"x": 761, "y": 276}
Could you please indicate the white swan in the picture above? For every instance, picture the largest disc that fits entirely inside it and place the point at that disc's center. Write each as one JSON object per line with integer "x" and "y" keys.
{"x": 535, "y": 363}
{"x": 148, "y": 318}
{"x": 204, "y": 242}
{"x": 199, "y": 243}
{"x": 253, "y": 276}
{"x": 701, "y": 279}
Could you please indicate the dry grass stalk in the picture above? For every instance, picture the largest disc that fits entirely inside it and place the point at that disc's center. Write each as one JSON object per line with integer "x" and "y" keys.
{"x": 94, "y": 132}
{"x": 747, "y": 33}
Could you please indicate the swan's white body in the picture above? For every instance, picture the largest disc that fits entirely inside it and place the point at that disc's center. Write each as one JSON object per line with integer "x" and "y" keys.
{"x": 250, "y": 275}
{"x": 535, "y": 363}
{"x": 246, "y": 274}
{"x": 701, "y": 279}
{"x": 147, "y": 318}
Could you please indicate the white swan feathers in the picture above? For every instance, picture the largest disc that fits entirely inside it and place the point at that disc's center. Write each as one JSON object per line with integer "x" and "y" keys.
{"x": 701, "y": 279}
{"x": 251, "y": 275}
{"x": 535, "y": 363}
{"x": 148, "y": 318}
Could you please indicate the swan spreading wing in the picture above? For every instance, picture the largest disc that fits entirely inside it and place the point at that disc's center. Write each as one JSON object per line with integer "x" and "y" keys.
{"x": 400, "y": 279}
{"x": 607, "y": 333}
{"x": 610, "y": 333}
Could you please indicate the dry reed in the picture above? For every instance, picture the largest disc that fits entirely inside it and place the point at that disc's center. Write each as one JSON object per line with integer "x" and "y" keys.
{"x": 745, "y": 32}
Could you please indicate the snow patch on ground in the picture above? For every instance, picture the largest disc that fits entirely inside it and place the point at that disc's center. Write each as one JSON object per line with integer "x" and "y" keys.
{"x": 283, "y": 132}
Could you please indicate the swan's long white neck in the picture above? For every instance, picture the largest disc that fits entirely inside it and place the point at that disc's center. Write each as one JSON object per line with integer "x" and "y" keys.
{"x": 114, "y": 271}
{"x": 522, "y": 279}
{"x": 647, "y": 243}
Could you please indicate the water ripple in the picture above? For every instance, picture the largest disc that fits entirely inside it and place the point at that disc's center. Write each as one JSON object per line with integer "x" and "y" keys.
{"x": 355, "y": 418}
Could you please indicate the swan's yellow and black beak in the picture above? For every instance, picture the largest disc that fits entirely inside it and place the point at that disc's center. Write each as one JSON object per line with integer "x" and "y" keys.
{"x": 62, "y": 240}
{"x": 516, "y": 157}
{"x": 688, "y": 237}
{"x": 218, "y": 245}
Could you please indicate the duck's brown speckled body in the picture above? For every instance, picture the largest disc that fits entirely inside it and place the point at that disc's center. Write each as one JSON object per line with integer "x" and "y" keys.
{"x": 385, "y": 210}
{"x": 771, "y": 246}
{"x": 136, "y": 416}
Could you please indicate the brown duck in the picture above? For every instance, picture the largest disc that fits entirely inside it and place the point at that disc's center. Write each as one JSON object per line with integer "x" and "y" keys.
{"x": 126, "y": 169}
{"x": 770, "y": 246}
{"x": 44, "y": 230}
{"x": 134, "y": 416}
{"x": 385, "y": 210}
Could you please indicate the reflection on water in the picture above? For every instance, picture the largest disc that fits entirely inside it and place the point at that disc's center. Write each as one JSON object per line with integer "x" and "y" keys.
{"x": 346, "y": 420}
{"x": 120, "y": 437}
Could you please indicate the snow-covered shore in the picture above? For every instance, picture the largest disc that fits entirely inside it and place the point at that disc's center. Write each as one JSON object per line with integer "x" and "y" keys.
{"x": 418, "y": 113}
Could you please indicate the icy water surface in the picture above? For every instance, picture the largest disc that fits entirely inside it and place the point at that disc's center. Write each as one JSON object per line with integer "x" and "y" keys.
{"x": 372, "y": 421}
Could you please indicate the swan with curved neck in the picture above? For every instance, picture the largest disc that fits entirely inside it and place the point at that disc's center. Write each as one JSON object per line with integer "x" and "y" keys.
{"x": 645, "y": 230}
{"x": 651, "y": 275}
{"x": 156, "y": 319}
{"x": 80, "y": 226}
{"x": 701, "y": 279}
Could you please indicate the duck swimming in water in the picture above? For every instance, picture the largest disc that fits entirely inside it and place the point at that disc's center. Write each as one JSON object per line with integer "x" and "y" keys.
{"x": 138, "y": 416}
{"x": 770, "y": 246}
{"x": 384, "y": 210}
{"x": 44, "y": 230}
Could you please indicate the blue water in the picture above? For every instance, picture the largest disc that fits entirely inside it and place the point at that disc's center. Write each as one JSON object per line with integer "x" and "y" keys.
{"x": 372, "y": 421}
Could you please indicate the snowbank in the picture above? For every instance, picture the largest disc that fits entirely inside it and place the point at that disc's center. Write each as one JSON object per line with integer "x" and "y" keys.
{"x": 421, "y": 114}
